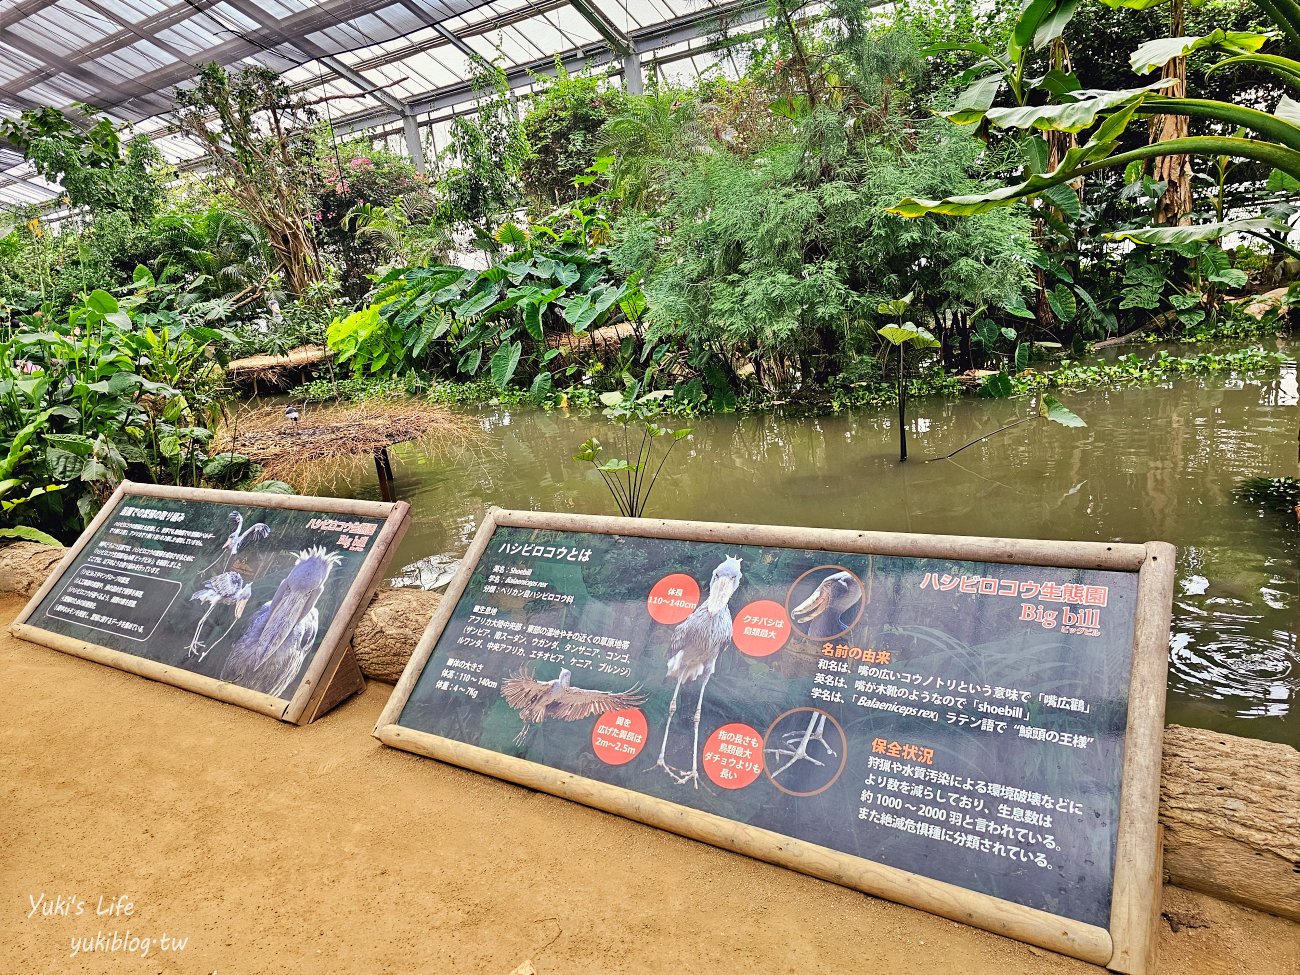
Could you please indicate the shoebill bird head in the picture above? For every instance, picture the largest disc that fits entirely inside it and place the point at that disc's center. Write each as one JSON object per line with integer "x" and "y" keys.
{"x": 723, "y": 585}
{"x": 834, "y": 596}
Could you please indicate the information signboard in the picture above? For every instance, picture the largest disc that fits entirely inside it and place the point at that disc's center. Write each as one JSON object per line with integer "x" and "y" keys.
{"x": 247, "y": 598}
{"x": 970, "y": 726}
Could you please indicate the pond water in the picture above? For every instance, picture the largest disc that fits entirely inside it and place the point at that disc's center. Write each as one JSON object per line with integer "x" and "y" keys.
{"x": 1157, "y": 462}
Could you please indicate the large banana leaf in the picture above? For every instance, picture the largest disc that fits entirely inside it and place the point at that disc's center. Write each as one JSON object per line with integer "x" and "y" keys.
{"x": 1202, "y": 231}
{"x": 1074, "y": 116}
{"x": 1155, "y": 54}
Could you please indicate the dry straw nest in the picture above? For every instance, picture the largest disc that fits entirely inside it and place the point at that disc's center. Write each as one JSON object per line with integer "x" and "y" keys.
{"x": 326, "y": 437}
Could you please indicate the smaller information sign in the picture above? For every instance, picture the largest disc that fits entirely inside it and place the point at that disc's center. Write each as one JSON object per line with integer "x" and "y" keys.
{"x": 248, "y": 598}
{"x": 966, "y": 725}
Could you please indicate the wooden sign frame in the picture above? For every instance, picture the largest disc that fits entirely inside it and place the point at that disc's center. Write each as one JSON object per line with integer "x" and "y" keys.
{"x": 1127, "y": 945}
{"x": 333, "y": 674}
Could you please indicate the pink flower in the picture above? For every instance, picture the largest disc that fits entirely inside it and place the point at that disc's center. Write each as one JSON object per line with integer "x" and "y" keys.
{"x": 360, "y": 162}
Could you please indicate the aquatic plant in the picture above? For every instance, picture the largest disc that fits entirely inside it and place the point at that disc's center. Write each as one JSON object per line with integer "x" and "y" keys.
{"x": 631, "y": 479}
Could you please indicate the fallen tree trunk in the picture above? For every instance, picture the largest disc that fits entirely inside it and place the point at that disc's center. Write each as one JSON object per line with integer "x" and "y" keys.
{"x": 390, "y": 629}
{"x": 1231, "y": 811}
{"x": 1230, "y": 806}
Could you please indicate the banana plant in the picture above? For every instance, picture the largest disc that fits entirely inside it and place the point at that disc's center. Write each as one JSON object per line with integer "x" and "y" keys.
{"x": 1269, "y": 138}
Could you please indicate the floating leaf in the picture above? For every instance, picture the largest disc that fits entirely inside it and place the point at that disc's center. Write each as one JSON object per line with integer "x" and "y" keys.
{"x": 1058, "y": 412}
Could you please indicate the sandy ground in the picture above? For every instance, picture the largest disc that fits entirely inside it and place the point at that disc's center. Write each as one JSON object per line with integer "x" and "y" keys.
{"x": 271, "y": 849}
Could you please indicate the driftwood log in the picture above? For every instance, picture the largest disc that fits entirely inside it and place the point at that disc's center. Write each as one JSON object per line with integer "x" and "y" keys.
{"x": 1231, "y": 811}
{"x": 389, "y": 630}
{"x": 1230, "y": 806}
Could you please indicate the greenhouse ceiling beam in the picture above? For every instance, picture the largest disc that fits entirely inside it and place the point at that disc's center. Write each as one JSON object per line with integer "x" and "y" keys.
{"x": 322, "y": 15}
{"x": 604, "y": 27}
{"x": 633, "y": 80}
{"x": 414, "y": 147}
{"x": 647, "y": 40}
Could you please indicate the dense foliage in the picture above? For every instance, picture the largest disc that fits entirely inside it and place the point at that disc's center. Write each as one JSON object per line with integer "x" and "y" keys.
{"x": 746, "y": 238}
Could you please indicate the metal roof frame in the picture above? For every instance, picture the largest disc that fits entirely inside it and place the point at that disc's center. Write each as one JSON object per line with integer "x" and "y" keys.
{"x": 124, "y": 58}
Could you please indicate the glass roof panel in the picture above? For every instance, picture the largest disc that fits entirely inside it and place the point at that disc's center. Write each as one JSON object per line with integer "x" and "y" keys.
{"x": 128, "y": 56}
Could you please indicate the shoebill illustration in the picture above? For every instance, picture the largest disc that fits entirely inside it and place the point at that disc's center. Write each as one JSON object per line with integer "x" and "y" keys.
{"x": 831, "y": 608}
{"x": 226, "y": 589}
{"x": 537, "y": 700}
{"x": 269, "y": 654}
{"x": 696, "y": 644}
{"x": 238, "y": 536}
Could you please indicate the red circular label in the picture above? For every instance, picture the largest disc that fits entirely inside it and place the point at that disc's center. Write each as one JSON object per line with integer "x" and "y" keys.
{"x": 619, "y": 736}
{"x": 733, "y": 756}
{"x": 673, "y": 598}
{"x": 761, "y": 628}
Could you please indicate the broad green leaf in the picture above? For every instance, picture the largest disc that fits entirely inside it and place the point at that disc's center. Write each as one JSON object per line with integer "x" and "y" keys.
{"x": 1065, "y": 199}
{"x": 471, "y": 360}
{"x": 1053, "y": 23}
{"x": 908, "y": 334}
{"x": 1062, "y": 302}
{"x": 588, "y": 450}
{"x": 611, "y": 399}
{"x": 997, "y": 386}
{"x": 1280, "y": 182}
{"x": 1155, "y": 54}
{"x": 1060, "y": 84}
{"x": 541, "y": 387}
{"x": 504, "y": 362}
{"x": 511, "y": 235}
{"x": 533, "y": 319}
{"x": 976, "y": 99}
{"x": 30, "y": 534}
{"x": 476, "y": 303}
{"x": 1071, "y": 116}
{"x": 1022, "y": 357}
{"x": 1057, "y": 412}
{"x": 143, "y": 277}
{"x": 1133, "y": 4}
{"x": 1233, "y": 277}
{"x": 1024, "y": 29}
{"x": 102, "y": 302}
{"x": 1168, "y": 236}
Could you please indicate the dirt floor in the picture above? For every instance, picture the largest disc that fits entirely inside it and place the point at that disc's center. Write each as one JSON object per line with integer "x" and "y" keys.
{"x": 263, "y": 848}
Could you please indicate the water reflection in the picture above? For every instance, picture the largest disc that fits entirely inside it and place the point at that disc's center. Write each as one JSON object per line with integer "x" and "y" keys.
{"x": 1153, "y": 463}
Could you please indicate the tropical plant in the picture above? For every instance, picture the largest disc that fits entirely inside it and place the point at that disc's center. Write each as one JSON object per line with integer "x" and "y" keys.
{"x": 110, "y": 399}
{"x": 1242, "y": 132}
{"x": 258, "y": 136}
{"x": 480, "y": 166}
{"x": 95, "y": 166}
{"x": 901, "y": 337}
{"x": 560, "y": 128}
{"x": 631, "y": 479}
{"x": 548, "y": 282}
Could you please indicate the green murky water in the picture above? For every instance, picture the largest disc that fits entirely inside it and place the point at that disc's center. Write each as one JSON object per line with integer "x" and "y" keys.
{"x": 1154, "y": 463}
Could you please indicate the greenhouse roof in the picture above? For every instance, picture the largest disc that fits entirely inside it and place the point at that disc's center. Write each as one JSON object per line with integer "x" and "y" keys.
{"x": 387, "y": 65}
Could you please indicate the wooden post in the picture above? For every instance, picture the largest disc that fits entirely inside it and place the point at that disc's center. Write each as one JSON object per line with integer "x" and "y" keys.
{"x": 385, "y": 472}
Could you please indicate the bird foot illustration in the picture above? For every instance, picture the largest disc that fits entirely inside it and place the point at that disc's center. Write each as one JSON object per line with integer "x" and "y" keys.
{"x": 676, "y": 774}
{"x": 194, "y": 649}
{"x": 799, "y": 754}
{"x": 817, "y": 737}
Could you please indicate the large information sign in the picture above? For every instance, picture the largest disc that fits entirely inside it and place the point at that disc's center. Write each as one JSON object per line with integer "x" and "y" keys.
{"x": 248, "y": 598}
{"x": 971, "y": 726}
